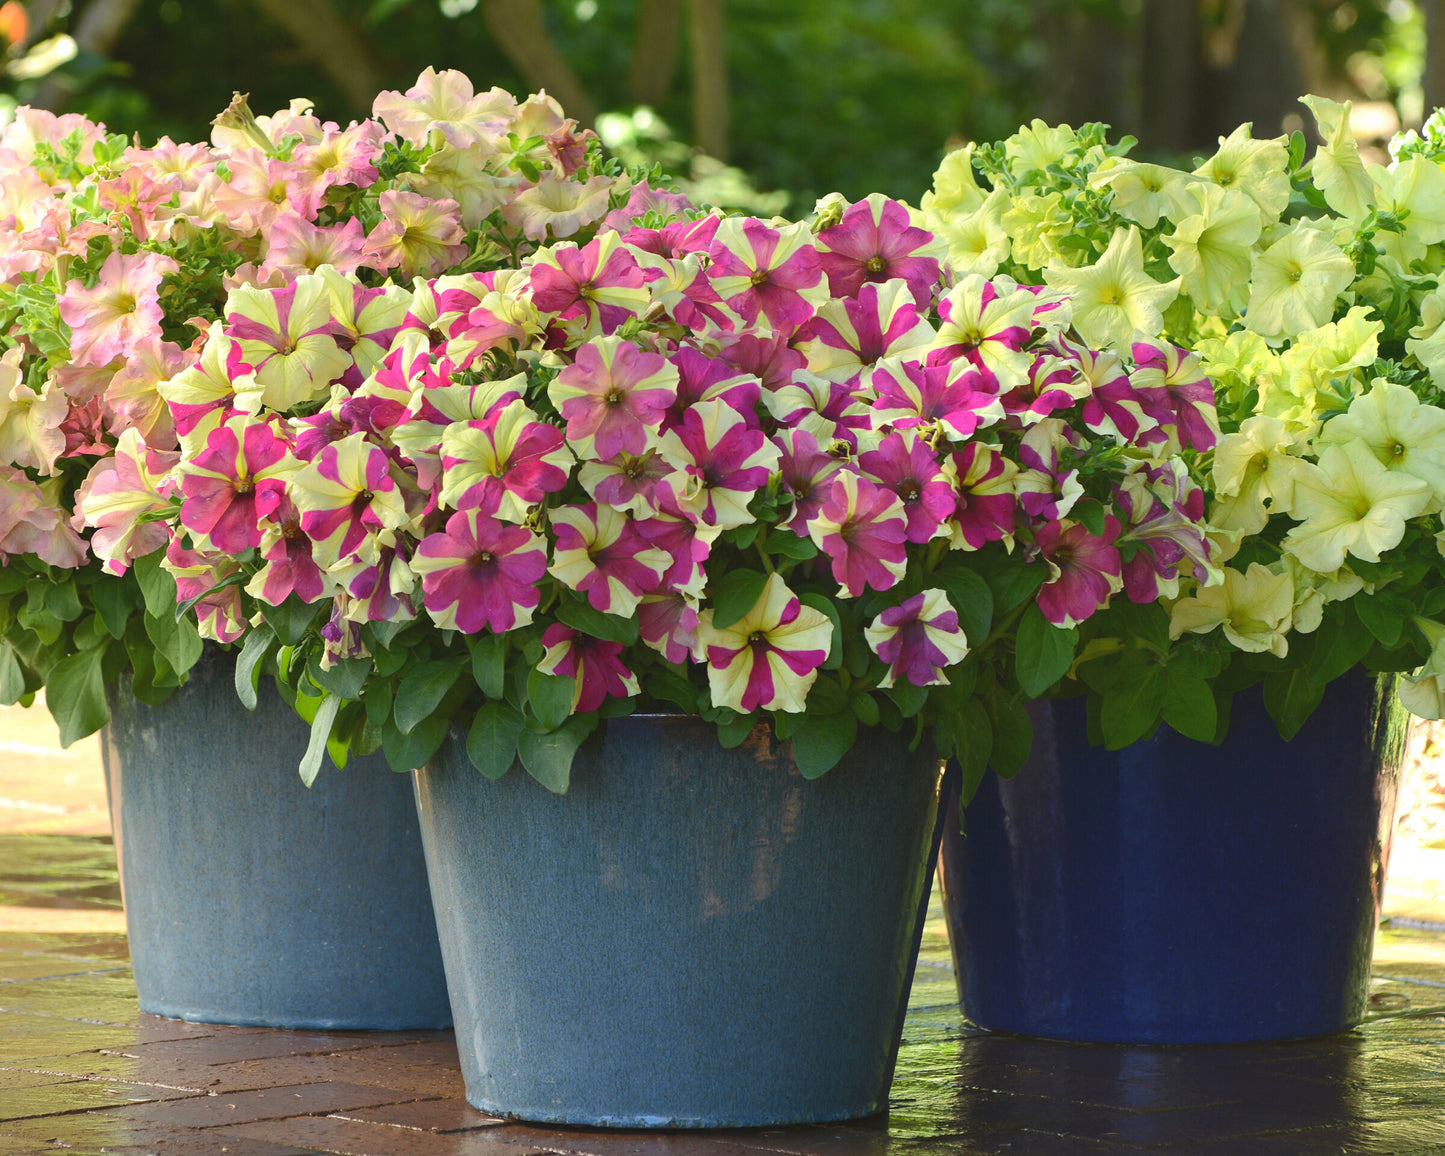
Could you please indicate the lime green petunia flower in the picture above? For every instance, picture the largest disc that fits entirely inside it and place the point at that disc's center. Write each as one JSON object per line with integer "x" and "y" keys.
{"x": 1114, "y": 298}
{"x": 1294, "y": 283}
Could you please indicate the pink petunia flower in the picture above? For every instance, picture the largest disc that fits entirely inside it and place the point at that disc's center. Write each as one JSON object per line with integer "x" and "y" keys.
{"x": 876, "y": 241}
{"x": 237, "y": 480}
{"x": 612, "y": 396}
{"x": 601, "y": 554}
{"x": 594, "y": 663}
{"x": 121, "y": 310}
{"x": 862, "y": 528}
{"x": 760, "y": 271}
{"x": 504, "y": 463}
{"x": 1087, "y": 570}
{"x": 904, "y": 463}
{"x": 719, "y": 464}
{"x": 116, "y": 496}
{"x": 480, "y": 572}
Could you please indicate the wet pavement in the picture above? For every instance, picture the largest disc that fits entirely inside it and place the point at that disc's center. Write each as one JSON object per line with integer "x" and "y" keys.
{"x": 82, "y": 1070}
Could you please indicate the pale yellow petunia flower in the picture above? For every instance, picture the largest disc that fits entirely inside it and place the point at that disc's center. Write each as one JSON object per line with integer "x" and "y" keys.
{"x": 1114, "y": 298}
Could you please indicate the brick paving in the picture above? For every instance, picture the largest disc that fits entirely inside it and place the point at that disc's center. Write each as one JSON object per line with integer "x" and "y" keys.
{"x": 82, "y": 1070}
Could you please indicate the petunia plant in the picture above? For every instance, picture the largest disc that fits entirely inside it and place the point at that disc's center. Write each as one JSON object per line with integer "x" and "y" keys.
{"x": 1310, "y": 291}
{"x": 763, "y": 472}
{"x": 116, "y": 265}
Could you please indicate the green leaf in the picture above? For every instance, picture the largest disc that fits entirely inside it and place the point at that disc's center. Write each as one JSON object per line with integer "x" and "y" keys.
{"x": 734, "y": 594}
{"x": 1090, "y": 512}
{"x": 1130, "y": 711}
{"x": 377, "y": 700}
{"x": 826, "y": 696}
{"x": 320, "y": 732}
{"x": 248, "y": 664}
{"x": 492, "y": 739}
{"x": 1013, "y": 734}
{"x": 291, "y": 619}
{"x": 63, "y": 601}
{"x": 1189, "y": 707}
{"x": 1291, "y": 696}
{"x": 550, "y": 697}
{"x": 1383, "y": 615}
{"x": 1042, "y": 652}
{"x": 735, "y": 731}
{"x": 1013, "y": 583}
{"x": 910, "y": 698}
{"x": 157, "y": 586}
{"x": 346, "y": 678}
{"x": 608, "y": 627}
{"x": 406, "y": 752}
{"x": 75, "y": 693}
{"x": 786, "y": 544}
{"x": 421, "y": 691}
{"x": 974, "y": 744}
{"x": 178, "y": 642}
{"x": 971, "y": 598}
{"x": 12, "y": 678}
{"x": 1340, "y": 643}
{"x": 113, "y": 601}
{"x": 489, "y": 665}
{"x": 865, "y": 706}
{"x": 548, "y": 757}
{"x": 821, "y": 741}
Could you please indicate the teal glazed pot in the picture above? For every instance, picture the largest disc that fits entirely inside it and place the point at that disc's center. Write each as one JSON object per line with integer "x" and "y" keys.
{"x": 692, "y": 937}
{"x": 1175, "y": 892}
{"x": 250, "y": 899}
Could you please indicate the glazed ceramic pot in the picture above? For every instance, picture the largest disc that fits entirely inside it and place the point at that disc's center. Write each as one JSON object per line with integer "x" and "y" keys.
{"x": 250, "y": 899}
{"x": 691, "y": 937}
{"x": 1176, "y": 892}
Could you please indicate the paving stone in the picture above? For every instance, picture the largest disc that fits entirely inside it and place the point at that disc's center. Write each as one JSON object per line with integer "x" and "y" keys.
{"x": 453, "y": 1114}
{"x": 103, "y": 1131}
{"x": 229, "y": 1044}
{"x": 77, "y": 1095}
{"x": 358, "y": 1138}
{"x": 214, "y": 1111}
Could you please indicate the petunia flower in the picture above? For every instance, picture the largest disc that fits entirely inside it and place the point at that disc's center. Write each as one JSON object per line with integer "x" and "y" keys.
{"x": 123, "y": 308}
{"x": 1336, "y": 169}
{"x": 1350, "y": 504}
{"x": 989, "y": 323}
{"x": 284, "y": 337}
{"x": 1114, "y": 298}
{"x": 350, "y": 504}
{"x": 719, "y": 464}
{"x": 612, "y": 397}
{"x": 876, "y": 241}
{"x": 1294, "y": 283}
{"x": 985, "y": 504}
{"x": 769, "y": 658}
{"x": 904, "y": 463}
{"x": 504, "y": 463}
{"x": 846, "y": 337}
{"x": 560, "y": 207}
{"x": 237, "y": 480}
{"x": 32, "y": 522}
{"x": 1254, "y": 608}
{"x": 198, "y": 575}
{"x": 30, "y": 421}
{"x": 917, "y": 639}
{"x": 760, "y": 271}
{"x": 1257, "y": 168}
{"x": 289, "y": 567}
{"x": 117, "y": 495}
{"x": 862, "y": 528}
{"x": 601, "y": 554}
{"x": 955, "y": 395}
{"x": 1211, "y": 245}
{"x": 595, "y": 664}
{"x": 598, "y": 286}
{"x": 1253, "y": 474}
{"x": 1087, "y": 570}
{"x": 1403, "y": 433}
{"x": 667, "y": 622}
{"x": 480, "y": 572}
{"x": 418, "y": 237}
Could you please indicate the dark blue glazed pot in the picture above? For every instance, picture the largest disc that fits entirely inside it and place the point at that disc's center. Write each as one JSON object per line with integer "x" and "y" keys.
{"x": 691, "y": 937}
{"x": 1176, "y": 892}
{"x": 250, "y": 899}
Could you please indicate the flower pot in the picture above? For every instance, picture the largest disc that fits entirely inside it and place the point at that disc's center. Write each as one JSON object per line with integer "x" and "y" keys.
{"x": 691, "y": 937}
{"x": 1176, "y": 892}
{"x": 250, "y": 899}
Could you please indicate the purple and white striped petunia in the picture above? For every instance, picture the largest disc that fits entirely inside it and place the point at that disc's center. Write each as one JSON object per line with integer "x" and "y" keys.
{"x": 769, "y": 658}
{"x": 862, "y": 528}
{"x": 601, "y": 554}
{"x": 876, "y": 241}
{"x": 917, "y": 639}
{"x": 904, "y": 463}
{"x": 595, "y": 663}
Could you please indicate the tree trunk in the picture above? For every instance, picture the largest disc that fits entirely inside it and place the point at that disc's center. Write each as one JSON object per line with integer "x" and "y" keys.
{"x": 333, "y": 45}
{"x": 654, "y": 51}
{"x": 518, "y": 28}
{"x": 710, "y": 98}
{"x": 1434, "y": 54}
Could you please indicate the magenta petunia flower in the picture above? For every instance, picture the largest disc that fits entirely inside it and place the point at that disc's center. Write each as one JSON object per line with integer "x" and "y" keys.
{"x": 235, "y": 482}
{"x": 1087, "y": 571}
{"x": 862, "y": 529}
{"x": 627, "y": 482}
{"x": 668, "y": 623}
{"x": 1176, "y": 394}
{"x": 989, "y": 323}
{"x": 1164, "y": 518}
{"x": 917, "y": 639}
{"x": 703, "y": 378}
{"x": 719, "y": 465}
{"x": 350, "y": 504}
{"x": 197, "y": 573}
{"x": 117, "y": 495}
{"x": 876, "y": 241}
{"x": 601, "y": 554}
{"x": 848, "y": 336}
{"x": 290, "y": 568}
{"x": 504, "y": 463}
{"x": 952, "y": 394}
{"x": 1112, "y": 406}
{"x": 904, "y": 463}
{"x": 612, "y": 397}
{"x": 686, "y": 542}
{"x": 594, "y": 663}
{"x": 600, "y": 285}
{"x": 480, "y": 572}
{"x": 807, "y": 474}
{"x": 760, "y": 271}
{"x": 1054, "y": 383}
{"x": 1047, "y": 486}
{"x": 769, "y": 658}
{"x": 986, "y": 507}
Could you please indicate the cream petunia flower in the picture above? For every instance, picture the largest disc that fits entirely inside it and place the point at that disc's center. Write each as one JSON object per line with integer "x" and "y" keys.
{"x": 1336, "y": 169}
{"x": 1294, "y": 283}
{"x": 1143, "y": 192}
{"x": 1403, "y": 433}
{"x": 977, "y": 241}
{"x": 1255, "y": 609}
{"x": 1257, "y": 168}
{"x": 1350, "y": 504}
{"x": 1114, "y": 298}
{"x": 1414, "y": 191}
{"x": 1211, "y": 245}
{"x": 1427, "y": 340}
{"x": 1253, "y": 475}
{"x": 955, "y": 189}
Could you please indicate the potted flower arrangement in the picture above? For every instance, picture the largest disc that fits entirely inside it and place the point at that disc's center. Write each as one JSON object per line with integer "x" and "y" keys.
{"x": 670, "y": 520}
{"x": 1310, "y": 292}
{"x": 116, "y": 271}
